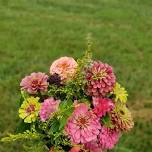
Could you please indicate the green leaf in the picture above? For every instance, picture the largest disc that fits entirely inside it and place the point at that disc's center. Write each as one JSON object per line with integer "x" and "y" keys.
{"x": 54, "y": 125}
{"x": 63, "y": 122}
{"x": 66, "y": 108}
{"x": 107, "y": 121}
{"x": 21, "y": 101}
{"x": 69, "y": 111}
{"x": 63, "y": 105}
{"x": 24, "y": 95}
{"x": 106, "y": 118}
{"x": 21, "y": 127}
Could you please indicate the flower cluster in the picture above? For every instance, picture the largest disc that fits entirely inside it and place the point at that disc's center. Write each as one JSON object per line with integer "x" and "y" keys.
{"x": 78, "y": 106}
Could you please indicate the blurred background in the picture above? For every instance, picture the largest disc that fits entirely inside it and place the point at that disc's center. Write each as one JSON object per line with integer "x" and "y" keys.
{"x": 35, "y": 32}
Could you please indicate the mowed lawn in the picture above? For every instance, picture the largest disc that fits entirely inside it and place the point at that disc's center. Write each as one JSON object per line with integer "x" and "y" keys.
{"x": 35, "y": 32}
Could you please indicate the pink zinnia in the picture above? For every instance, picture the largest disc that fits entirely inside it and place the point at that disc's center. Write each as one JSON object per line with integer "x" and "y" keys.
{"x": 108, "y": 138}
{"x": 102, "y": 106}
{"x": 48, "y": 107}
{"x": 93, "y": 146}
{"x": 65, "y": 67}
{"x": 83, "y": 126}
{"x": 100, "y": 79}
{"x": 34, "y": 83}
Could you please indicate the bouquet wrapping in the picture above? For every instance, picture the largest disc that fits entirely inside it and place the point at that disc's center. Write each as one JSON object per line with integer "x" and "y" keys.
{"x": 78, "y": 107}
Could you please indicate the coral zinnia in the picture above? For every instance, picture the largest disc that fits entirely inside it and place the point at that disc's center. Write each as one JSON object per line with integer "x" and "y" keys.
{"x": 120, "y": 93}
{"x": 102, "y": 106}
{"x": 34, "y": 83}
{"x": 75, "y": 149}
{"x": 108, "y": 138}
{"x": 29, "y": 109}
{"x": 83, "y": 126}
{"x": 100, "y": 79}
{"x": 121, "y": 117}
{"x": 65, "y": 67}
{"x": 48, "y": 107}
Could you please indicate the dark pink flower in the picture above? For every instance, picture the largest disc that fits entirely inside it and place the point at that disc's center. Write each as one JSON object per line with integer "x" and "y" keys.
{"x": 34, "y": 83}
{"x": 100, "y": 79}
{"x": 108, "y": 138}
{"x": 102, "y": 106}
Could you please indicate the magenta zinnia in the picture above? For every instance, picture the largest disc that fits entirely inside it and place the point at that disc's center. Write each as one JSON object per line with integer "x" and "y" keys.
{"x": 102, "y": 106}
{"x": 48, "y": 107}
{"x": 108, "y": 138}
{"x": 100, "y": 79}
{"x": 34, "y": 83}
{"x": 83, "y": 126}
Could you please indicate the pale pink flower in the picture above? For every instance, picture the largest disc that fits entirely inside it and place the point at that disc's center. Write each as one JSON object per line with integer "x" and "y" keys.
{"x": 34, "y": 83}
{"x": 83, "y": 126}
{"x": 102, "y": 106}
{"x": 48, "y": 107}
{"x": 65, "y": 67}
{"x": 108, "y": 138}
{"x": 100, "y": 79}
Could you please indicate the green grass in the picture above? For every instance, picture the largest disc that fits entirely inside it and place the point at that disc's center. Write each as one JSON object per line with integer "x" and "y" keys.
{"x": 35, "y": 32}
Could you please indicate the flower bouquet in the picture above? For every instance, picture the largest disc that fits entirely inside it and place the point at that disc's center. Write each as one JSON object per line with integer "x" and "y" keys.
{"x": 78, "y": 107}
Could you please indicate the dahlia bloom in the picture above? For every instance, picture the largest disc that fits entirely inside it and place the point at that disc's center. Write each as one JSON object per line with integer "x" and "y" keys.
{"x": 34, "y": 83}
{"x": 93, "y": 146}
{"x": 47, "y": 108}
{"x": 102, "y": 106}
{"x": 100, "y": 79}
{"x": 29, "y": 109}
{"x": 65, "y": 67}
{"x": 121, "y": 117}
{"x": 108, "y": 138}
{"x": 83, "y": 126}
{"x": 120, "y": 93}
